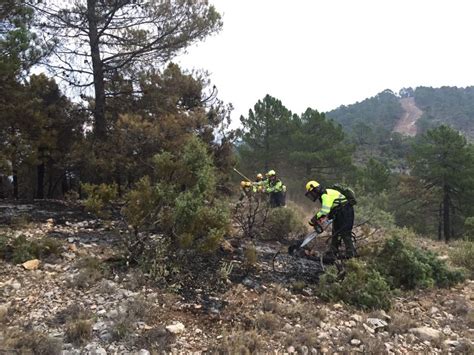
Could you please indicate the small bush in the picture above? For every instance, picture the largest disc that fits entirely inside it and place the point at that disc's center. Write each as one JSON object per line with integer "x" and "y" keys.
{"x": 363, "y": 287}
{"x": 79, "y": 332}
{"x": 21, "y": 249}
{"x": 303, "y": 337}
{"x": 98, "y": 198}
{"x": 72, "y": 313}
{"x": 240, "y": 342}
{"x": 405, "y": 266}
{"x": 283, "y": 223}
{"x": 156, "y": 340}
{"x": 469, "y": 229}
{"x": 250, "y": 256}
{"x": 123, "y": 326}
{"x": 30, "y": 342}
{"x": 267, "y": 321}
{"x": 401, "y": 323}
{"x": 91, "y": 270}
{"x": 19, "y": 221}
{"x": 463, "y": 255}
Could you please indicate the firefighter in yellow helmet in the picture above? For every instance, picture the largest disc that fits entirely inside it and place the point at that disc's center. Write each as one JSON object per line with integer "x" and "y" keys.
{"x": 246, "y": 189}
{"x": 275, "y": 188}
{"x": 334, "y": 206}
{"x": 260, "y": 182}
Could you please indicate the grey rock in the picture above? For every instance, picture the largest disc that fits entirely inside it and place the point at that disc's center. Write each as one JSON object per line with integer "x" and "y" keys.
{"x": 303, "y": 350}
{"x": 376, "y": 323}
{"x": 99, "y": 326}
{"x": 367, "y": 328}
{"x": 355, "y": 342}
{"x": 452, "y": 343}
{"x": 426, "y": 333}
{"x": 175, "y": 328}
{"x": 357, "y": 318}
{"x": 143, "y": 352}
{"x": 105, "y": 335}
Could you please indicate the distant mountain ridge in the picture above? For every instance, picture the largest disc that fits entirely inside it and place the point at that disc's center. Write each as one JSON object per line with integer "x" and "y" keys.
{"x": 421, "y": 108}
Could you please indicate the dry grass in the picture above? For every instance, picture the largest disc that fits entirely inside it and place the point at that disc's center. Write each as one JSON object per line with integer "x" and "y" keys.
{"x": 401, "y": 323}
{"x": 303, "y": 337}
{"x": 16, "y": 341}
{"x": 79, "y": 332}
{"x": 250, "y": 256}
{"x": 71, "y": 313}
{"x": 156, "y": 340}
{"x": 268, "y": 321}
{"x": 240, "y": 342}
{"x": 374, "y": 346}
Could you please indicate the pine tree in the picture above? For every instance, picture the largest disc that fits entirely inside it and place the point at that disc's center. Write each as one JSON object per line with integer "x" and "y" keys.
{"x": 266, "y": 131}
{"x": 444, "y": 161}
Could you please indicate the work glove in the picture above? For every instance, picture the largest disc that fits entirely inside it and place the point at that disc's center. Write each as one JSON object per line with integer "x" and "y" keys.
{"x": 313, "y": 222}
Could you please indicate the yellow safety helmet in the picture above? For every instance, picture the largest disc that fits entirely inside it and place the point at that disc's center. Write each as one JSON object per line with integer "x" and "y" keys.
{"x": 244, "y": 184}
{"x": 310, "y": 185}
{"x": 271, "y": 173}
{"x": 259, "y": 176}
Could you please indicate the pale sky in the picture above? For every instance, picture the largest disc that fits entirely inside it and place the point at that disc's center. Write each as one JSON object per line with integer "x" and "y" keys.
{"x": 323, "y": 54}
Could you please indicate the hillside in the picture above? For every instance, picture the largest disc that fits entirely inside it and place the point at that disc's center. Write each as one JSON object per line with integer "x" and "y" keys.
{"x": 78, "y": 299}
{"x": 428, "y": 107}
{"x": 406, "y": 125}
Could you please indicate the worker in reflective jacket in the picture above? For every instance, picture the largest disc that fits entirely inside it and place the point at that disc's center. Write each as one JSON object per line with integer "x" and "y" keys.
{"x": 334, "y": 206}
{"x": 275, "y": 188}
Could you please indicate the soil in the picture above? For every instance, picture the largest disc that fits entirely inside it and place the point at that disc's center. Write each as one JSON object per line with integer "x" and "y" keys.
{"x": 407, "y": 123}
{"x": 248, "y": 309}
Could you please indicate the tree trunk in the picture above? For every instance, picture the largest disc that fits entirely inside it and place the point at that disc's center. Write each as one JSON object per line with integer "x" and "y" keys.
{"x": 40, "y": 181}
{"x": 440, "y": 222}
{"x": 97, "y": 67}
{"x": 446, "y": 216}
{"x": 64, "y": 185}
{"x": 15, "y": 183}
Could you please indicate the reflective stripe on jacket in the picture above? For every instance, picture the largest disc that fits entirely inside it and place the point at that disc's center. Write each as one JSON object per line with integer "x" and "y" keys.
{"x": 277, "y": 187}
{"x": 329, "y": 200}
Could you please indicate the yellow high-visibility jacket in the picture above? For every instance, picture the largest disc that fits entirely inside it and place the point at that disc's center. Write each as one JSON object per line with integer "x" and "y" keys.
{"x": 330, "y": 200}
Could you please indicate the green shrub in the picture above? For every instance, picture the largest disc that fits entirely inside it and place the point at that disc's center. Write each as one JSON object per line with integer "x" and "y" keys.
{"x": 469, "y": 228}
{"x": 408, "y": 267}
{"x": 99, "y": 198}
{"x": 21, "y": 249}
{"x": 373, "y": 208}
{"x": 283, "y": 223}
{"x": 463, "y": 255}
{"x": 362, "y": 287}
{"x": 180, "y": 203}
{"x": 250, "y": 256}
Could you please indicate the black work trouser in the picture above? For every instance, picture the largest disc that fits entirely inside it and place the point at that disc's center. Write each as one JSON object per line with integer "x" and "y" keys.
{"x": 342, "y": 229}
{"x": 277, "y": 199}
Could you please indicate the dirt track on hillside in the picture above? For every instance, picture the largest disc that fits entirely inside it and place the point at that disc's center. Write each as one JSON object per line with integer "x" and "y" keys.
{"x": 407, "y": 123}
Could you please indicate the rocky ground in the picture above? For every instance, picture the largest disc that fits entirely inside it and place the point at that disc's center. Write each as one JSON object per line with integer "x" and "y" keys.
{"x": 70, "y": 303}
